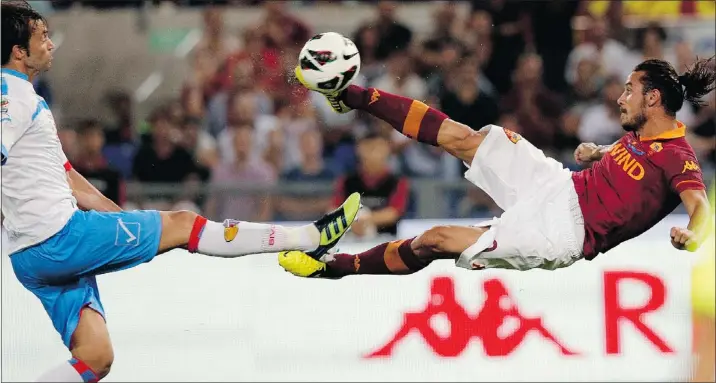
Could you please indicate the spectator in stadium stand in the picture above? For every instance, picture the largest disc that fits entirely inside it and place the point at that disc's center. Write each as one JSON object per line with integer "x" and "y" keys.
{"x": 585, "y": 90}
{"x": 430, "y": 57}
{"x": 384, "y": 194}
{"x": 550, "y": 29}
{"x": 463, "y": 100}
{"x": 243, "y": 110}
{"x": 214, "y": 47}
{"x": 538, "y": 110}
{"x": 91, "y": 163}
{"x": 284, "y": 36}
{"x": 160, "y": 159}
{"x": 507, "y": 37}
{"x": 200, "y": 144}
{"x": 366, "y": 40}
{"x": 400, "y": 77}
{"x": 392, "y": 34}
{"x": 244, "y": 67}
{"x": 280, "y": 29}
{"x": 610, "y": 53}
{"x": 600, "y": 123}
{"x": 121, "y": 129}
{"x": 311, "y": 169}
{"x": 246, "y": 169}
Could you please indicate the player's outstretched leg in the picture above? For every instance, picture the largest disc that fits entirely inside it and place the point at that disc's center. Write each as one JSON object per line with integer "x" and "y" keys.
{"x": 396, "y": 257}
{"x": 412, "y": 118}
{"x": 236, "y": 238}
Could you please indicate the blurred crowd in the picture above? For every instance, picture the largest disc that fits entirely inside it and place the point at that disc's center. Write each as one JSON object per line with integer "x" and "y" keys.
{"x": 241, "y": 120}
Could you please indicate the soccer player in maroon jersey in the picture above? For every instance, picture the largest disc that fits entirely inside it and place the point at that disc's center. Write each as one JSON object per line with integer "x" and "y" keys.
{"x": 552, "y": 216}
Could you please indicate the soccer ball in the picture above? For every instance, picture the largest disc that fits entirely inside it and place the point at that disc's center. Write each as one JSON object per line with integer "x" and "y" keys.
{"x": 328, "y": 62}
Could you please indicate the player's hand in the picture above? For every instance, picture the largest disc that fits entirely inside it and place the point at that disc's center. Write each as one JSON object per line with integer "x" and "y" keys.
{"x": 587, "y": 153}
{"x": 683, "y": 239}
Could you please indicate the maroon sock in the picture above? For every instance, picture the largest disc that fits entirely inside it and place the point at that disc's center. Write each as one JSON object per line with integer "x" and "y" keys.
{"x": 410, "y": 117}
{"x": 395, "y": 257}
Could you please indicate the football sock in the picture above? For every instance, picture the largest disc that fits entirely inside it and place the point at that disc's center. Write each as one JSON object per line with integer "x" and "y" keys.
{"x": 394, "y": 257}
{"x": 237, "y": 238}
{"x": 410, "y": 117}
{"x": 74, "y": 370}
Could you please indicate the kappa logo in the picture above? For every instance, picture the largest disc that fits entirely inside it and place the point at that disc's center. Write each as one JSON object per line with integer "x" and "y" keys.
{"x": 464, "y": 327}
{"x": 656, "y": 147}
{"x": 231, "y": 228}
{"x": 690, "y": 166}
{"x": 514, "y": 137}
{"x": 374, "y": 97}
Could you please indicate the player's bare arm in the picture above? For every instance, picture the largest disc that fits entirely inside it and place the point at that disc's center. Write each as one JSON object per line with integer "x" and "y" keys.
{"x": 88, "y": 197}
{"x": 697, "y": 207}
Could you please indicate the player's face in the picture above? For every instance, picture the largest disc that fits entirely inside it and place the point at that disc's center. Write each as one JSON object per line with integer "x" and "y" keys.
{"x": 39, "y": 56}
{"x": 632, "y": 105}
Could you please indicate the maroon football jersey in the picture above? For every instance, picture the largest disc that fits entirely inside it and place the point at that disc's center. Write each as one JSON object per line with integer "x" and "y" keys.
{"x": 634, "y": 186}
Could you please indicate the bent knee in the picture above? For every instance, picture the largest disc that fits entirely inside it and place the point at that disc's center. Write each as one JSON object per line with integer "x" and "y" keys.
{"x": 99, "y": 357}
{"x": 180, "y": 217}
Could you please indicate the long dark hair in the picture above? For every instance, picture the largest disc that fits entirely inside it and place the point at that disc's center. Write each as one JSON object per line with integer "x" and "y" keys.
{"x": 696, "y": 82}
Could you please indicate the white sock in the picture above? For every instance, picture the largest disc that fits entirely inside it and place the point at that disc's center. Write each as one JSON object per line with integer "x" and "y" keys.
{"x": 237, "y": 238}
{"x": 69, "y": 372}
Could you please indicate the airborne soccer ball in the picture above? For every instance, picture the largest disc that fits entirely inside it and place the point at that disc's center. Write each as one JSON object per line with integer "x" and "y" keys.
{"x": 328, "y": 62}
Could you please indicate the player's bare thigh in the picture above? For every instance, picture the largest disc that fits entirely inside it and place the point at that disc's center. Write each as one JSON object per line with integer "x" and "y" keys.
{"x": 446, "y": 242}
{"x": 176, "y": 229}
{"x": 91, "y": 342}
{"x": 460, "y": 140}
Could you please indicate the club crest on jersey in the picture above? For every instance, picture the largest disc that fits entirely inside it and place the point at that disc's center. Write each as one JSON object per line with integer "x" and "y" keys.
{"x": 231, "y": 228}
{"x": 512, "y": 136}
{"x": 656, "y": 147}
{"x": 3, "y": 106}
{"x": 690, "y": 166}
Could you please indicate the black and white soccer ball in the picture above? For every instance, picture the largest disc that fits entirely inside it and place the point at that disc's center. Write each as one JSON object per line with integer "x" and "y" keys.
{"x": 328, "y": 62}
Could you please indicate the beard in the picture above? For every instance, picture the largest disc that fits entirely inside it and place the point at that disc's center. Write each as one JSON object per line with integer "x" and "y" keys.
{"x": 636, "y": 122}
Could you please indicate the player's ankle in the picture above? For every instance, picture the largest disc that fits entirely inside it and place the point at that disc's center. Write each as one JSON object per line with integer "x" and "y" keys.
{"x": 354, "y": 97}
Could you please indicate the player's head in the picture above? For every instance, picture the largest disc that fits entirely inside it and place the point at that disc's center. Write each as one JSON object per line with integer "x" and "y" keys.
{"x": 655, "y": 89}
{"x": 25, "y": 39}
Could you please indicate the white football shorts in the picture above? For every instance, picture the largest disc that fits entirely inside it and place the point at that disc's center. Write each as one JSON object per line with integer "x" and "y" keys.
{"x": 542, "y": 225}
